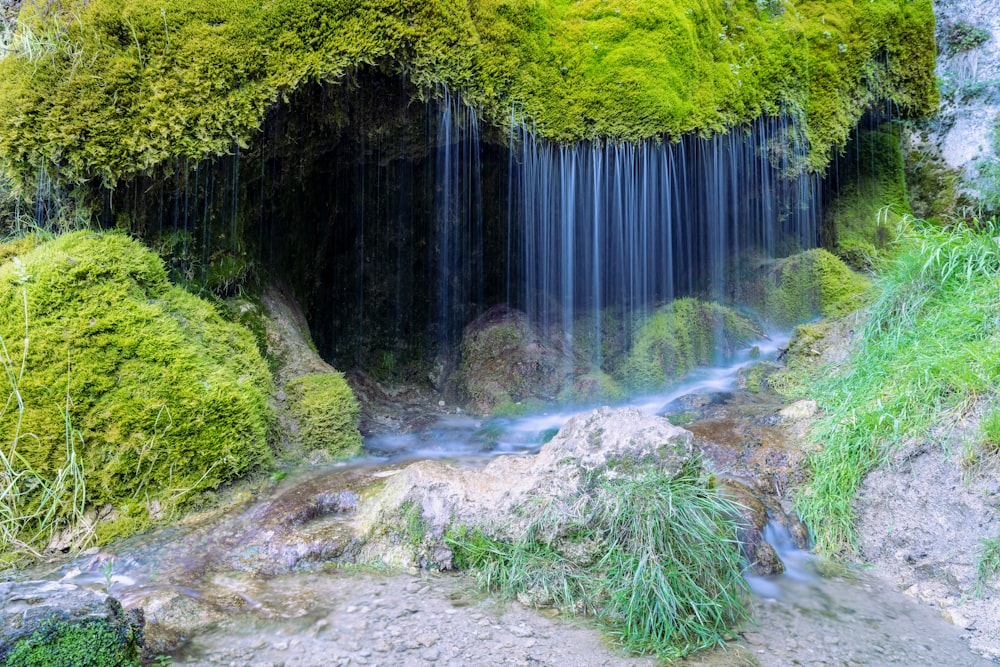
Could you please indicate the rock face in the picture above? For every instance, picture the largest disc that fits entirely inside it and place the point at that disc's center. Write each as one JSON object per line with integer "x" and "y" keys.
{"x": 968, "y": 66}
{"x": 425, "y": 498}
{"x": 59, "y": 624}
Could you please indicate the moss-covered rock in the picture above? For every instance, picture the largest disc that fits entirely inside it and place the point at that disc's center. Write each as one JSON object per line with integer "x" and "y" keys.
{"x": 505, "y": 359}
{"x": 326, "y": 413}
{"x": 682, "y": 336}
{"x": 592, "y": 388}
{"x": 106, "y": 88}
{"x": 152, "y": 391}
{"x": 800, "y": 287}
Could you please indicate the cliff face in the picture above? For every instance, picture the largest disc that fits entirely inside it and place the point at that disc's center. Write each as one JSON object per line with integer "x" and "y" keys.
{"x": 106, "y": 88}
{"x": 966, "y": 132}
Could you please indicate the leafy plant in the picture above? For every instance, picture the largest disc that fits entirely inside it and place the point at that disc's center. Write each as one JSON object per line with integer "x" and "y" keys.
{"x": 962, "y": 36}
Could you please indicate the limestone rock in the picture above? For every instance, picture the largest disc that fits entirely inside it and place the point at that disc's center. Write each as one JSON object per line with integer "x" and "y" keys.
{"x": 507, "y": 493}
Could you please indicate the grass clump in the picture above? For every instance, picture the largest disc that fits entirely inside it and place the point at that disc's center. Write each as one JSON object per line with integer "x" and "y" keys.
{"x": 159, "y": 397}
{"x": 927, "y": 350}
{"x": 654, "y": 557}
{"x": 681, "y": 336}
{"x": 327, "y": 412}
{"x": 987, "y": 564}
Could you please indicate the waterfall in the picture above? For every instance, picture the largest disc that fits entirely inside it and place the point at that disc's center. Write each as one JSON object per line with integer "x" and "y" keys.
{"x": 397, "y": 222}
{"x": 632, "y": 225}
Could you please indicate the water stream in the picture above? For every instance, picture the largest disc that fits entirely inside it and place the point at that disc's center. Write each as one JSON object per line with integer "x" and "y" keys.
{"x": 814, "y": 614}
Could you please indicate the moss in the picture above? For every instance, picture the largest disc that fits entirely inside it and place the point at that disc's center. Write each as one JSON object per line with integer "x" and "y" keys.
{"x": 682, "y": 336}
{"x": 106, "y": 88}
{"x": 798, "y": 288}
{"x": 169, "y": 399}
{"x": 327, "y": 413}
{"x": 861, "y": 222}
{"x": 591, "y": 388}
{"x": 98, "y": 642}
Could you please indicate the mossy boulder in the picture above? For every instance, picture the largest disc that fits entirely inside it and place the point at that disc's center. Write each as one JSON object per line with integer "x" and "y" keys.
{"x": 56, "y": 624}
{"x": 592, "y": 388}
{"x": 153, "y": 393}
{"x": 506, "y": 359}
{"x": 326, "y": 414}
{"x": 870, "y": 177}
{"x": 681, "y": 336}
{"x": 798, "y": 288}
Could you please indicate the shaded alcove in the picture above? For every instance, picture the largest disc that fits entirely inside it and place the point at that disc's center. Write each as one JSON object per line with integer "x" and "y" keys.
{"x": 397, "y": 217}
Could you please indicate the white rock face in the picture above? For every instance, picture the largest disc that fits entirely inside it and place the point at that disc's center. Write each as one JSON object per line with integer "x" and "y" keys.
{"x": 970, "y": 87}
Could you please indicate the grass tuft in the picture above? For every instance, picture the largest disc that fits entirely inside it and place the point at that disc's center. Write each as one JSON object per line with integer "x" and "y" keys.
{"x": 654, "y": 557}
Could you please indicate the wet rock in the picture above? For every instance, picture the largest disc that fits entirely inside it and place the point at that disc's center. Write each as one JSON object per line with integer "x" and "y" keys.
{"x": 799, "y": 410}
{"x": 506, "y": 359}
{"x": 434, "y": 495}
{"x": 91, "y": 628}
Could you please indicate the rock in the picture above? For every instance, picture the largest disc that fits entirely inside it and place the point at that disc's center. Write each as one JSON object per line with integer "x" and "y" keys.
{"x": 606, "y": 442}
{"x": 506, "y": 359}
{"x": 799, "y": 410}
{"x": 90, "y": 627}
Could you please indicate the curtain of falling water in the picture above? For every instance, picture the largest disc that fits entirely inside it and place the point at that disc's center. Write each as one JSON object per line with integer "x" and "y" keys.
{"x": 398, "y": 224}
{"x": 629, "y": 226}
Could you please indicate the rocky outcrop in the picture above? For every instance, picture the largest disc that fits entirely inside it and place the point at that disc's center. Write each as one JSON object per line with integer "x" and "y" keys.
{"x": 507, "y": 359}
{"x": 426, "y": 498}
{"x": 59, "y": 624}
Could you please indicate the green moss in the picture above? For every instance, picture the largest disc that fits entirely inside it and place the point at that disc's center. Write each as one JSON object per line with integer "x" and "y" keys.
{"x": 682, "y": 336}
{"x": 106, "y": 88}
{"x": 861, "y": 222}
{"x": 91, "y": 643}
{"x": 798, "y": 288}
{"x": 169, "y": 399}
{"x": 327, "y": 413}
{"x": 593, "y": 387}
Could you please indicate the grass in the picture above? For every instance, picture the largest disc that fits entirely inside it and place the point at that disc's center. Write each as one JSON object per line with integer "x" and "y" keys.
{"x": 33, "y": 504}
{"x": 926, "y": 353}
{"x": 655, "y": 558}
{"x": 987, "y": 564}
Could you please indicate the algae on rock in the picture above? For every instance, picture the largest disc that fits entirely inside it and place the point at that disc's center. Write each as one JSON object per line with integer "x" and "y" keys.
{"x": 114, "y": 87}
{"x": 796, "y": 289}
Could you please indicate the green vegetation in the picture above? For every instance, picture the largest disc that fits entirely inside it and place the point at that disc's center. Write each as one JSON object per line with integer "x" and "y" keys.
{"x": 108, "y": 88}
{"x": 987, "y": 564}
{"x": 654, "y": 557}
{"x": 800, "y": 287}
{"x": 927, "y": 350}
{"x": 681, "y": 336}
{"x": 327, "y": 413}
{"x": 860, "y": 223}
{"x": 140, "y": 387}
{"x": 962, "y": 36}
{"x": 101, "y": 642}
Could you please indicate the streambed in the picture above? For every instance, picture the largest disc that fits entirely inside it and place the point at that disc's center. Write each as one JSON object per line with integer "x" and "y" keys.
{"x": 249, "y": 587}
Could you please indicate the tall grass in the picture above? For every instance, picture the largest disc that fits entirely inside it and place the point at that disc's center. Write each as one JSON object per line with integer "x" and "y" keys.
{"x": 34, "y": 504}
{"x": 927, "y": 351}
{"x": 654, "y": 557}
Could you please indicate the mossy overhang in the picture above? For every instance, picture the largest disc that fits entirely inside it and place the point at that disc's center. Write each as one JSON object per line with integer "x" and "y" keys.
{"x": 102, "y": 89}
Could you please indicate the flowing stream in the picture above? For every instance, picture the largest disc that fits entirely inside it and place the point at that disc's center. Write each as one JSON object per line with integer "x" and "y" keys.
{"x": 816, "y": 613}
